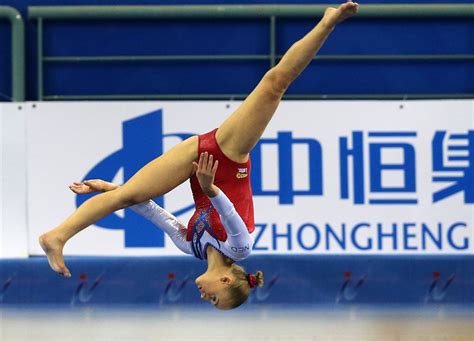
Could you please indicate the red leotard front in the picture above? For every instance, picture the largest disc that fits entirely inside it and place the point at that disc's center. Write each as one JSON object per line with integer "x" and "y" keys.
{"x": 233, "y": 179}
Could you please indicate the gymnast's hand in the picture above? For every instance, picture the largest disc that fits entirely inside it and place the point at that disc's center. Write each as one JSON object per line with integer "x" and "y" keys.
{"x": 206, "y": 171}
{"x": 91, "y": 186}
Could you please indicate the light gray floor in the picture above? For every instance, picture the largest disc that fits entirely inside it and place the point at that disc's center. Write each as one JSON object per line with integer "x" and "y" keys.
{"x": 264, "y": 324}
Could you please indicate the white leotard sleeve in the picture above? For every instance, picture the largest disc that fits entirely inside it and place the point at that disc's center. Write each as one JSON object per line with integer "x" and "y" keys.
{"x": 239, "y": 242}
{"x": 167, "y": 222}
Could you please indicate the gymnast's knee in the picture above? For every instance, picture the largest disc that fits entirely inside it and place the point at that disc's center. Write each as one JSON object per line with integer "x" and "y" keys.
{"x": 279, "y": 80}
{"x": 126, "y": 198}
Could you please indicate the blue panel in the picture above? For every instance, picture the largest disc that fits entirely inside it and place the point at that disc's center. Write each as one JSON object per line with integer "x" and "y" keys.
{"x": 294, "y": 280}
{"x": 443, "y": 36}
{"x": 5, "y": 61}
{"x": 154, "y": 78}
{"x": 386, "y": 78}
{"x": 165, "y": 37}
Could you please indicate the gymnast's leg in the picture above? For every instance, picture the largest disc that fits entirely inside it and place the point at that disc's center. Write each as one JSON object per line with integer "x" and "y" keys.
{"x": 156, "y": 178}
{"x": 242, "y": 130}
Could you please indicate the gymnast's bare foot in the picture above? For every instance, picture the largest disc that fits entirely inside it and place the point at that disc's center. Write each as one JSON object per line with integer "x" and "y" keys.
{"x": 53, "y": 247}
{"x": 333, "y": 16}
{"x": 52, "y": 244}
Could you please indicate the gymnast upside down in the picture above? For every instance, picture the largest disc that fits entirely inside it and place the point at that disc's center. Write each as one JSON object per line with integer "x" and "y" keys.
{"x": 218, "y": 166}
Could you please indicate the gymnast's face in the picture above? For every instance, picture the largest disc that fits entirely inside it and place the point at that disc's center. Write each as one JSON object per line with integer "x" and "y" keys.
{"x": 214, "y": 289}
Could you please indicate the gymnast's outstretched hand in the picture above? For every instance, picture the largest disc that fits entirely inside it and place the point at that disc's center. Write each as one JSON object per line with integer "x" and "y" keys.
{"x": 206, "y": 171}
{"x": 91, "y": 186}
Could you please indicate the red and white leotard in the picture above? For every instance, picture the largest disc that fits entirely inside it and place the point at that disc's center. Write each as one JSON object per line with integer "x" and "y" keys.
{"x": 223, "y": 222}
{"x": 233, "y": 179}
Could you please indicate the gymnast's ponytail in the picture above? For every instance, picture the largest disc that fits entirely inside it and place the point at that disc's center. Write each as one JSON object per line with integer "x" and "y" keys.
{"x": 259, "y": 276}
{"x": 255, "y": 280}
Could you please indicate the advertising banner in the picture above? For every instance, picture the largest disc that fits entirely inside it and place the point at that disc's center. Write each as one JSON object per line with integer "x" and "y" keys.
{"x": 1, "y": 183}
{"x": 13, "y": 231}
{"x": 328, "y": 177}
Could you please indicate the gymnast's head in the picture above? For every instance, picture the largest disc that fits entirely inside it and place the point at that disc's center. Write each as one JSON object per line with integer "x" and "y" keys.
{"x": 228, "y": 289}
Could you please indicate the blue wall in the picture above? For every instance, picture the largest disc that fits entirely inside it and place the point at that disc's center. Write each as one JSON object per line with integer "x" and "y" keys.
{"x": 406, "y": 281}
{"x": 251, "y": 36}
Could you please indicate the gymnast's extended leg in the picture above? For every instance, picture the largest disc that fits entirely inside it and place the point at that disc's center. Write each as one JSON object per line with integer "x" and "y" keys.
{"x": 236, "y": 136}
{"x": 242, "y": 130}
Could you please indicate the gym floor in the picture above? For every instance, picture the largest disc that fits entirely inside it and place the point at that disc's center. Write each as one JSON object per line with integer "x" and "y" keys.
{"x": 277, "y": 323}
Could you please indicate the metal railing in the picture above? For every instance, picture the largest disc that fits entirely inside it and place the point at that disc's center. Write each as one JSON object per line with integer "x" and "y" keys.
{"x": 270, "y": 12}
{"x": 18, "y": 51}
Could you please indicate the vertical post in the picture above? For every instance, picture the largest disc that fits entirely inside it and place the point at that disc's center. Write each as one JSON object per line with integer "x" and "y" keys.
{"x": 40, "y": 59}
{"x": 272, "y": 41}
{"x": 18, "y": 58}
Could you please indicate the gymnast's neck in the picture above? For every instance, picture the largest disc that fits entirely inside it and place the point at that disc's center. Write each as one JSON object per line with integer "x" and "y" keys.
{"x": 217, "y": 261}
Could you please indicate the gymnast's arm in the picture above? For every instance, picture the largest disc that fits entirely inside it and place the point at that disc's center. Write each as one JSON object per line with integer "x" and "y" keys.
{"x": 161, "y": 218}
{"x": 238, "y": 237}
{"x": 167, "y": 222}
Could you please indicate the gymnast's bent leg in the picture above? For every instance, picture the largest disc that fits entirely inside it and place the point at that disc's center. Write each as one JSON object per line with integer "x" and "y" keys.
{"x": 149, "y": 209}
{"x": 242, "y": 130}
{"x": 156, "y": 178}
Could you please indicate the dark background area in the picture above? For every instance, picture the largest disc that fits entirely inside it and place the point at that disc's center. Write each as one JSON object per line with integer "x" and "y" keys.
{"x": 170, "y": 37}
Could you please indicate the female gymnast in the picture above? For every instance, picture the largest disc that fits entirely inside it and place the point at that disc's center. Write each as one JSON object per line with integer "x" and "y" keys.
{"x": 230, "y": 145}
{"x": 221, "y": 257}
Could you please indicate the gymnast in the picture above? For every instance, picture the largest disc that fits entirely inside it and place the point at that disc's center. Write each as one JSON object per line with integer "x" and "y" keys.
{"x": 235, "y": 247}
{"x": 220, "y": 181}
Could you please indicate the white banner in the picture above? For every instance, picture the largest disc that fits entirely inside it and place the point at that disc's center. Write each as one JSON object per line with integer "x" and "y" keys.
{"x": 347, "y": 177}
{"x": 13, "y": 232}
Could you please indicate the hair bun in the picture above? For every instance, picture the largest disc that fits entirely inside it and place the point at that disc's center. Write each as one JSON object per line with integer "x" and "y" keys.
{"x": 259, "y": 276}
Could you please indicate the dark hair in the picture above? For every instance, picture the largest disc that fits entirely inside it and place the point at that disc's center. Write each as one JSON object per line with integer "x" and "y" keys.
{"x": 240, "y": 289}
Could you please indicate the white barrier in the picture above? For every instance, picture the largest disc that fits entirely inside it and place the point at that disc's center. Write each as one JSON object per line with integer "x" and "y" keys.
{"x": 348, "y": 177}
